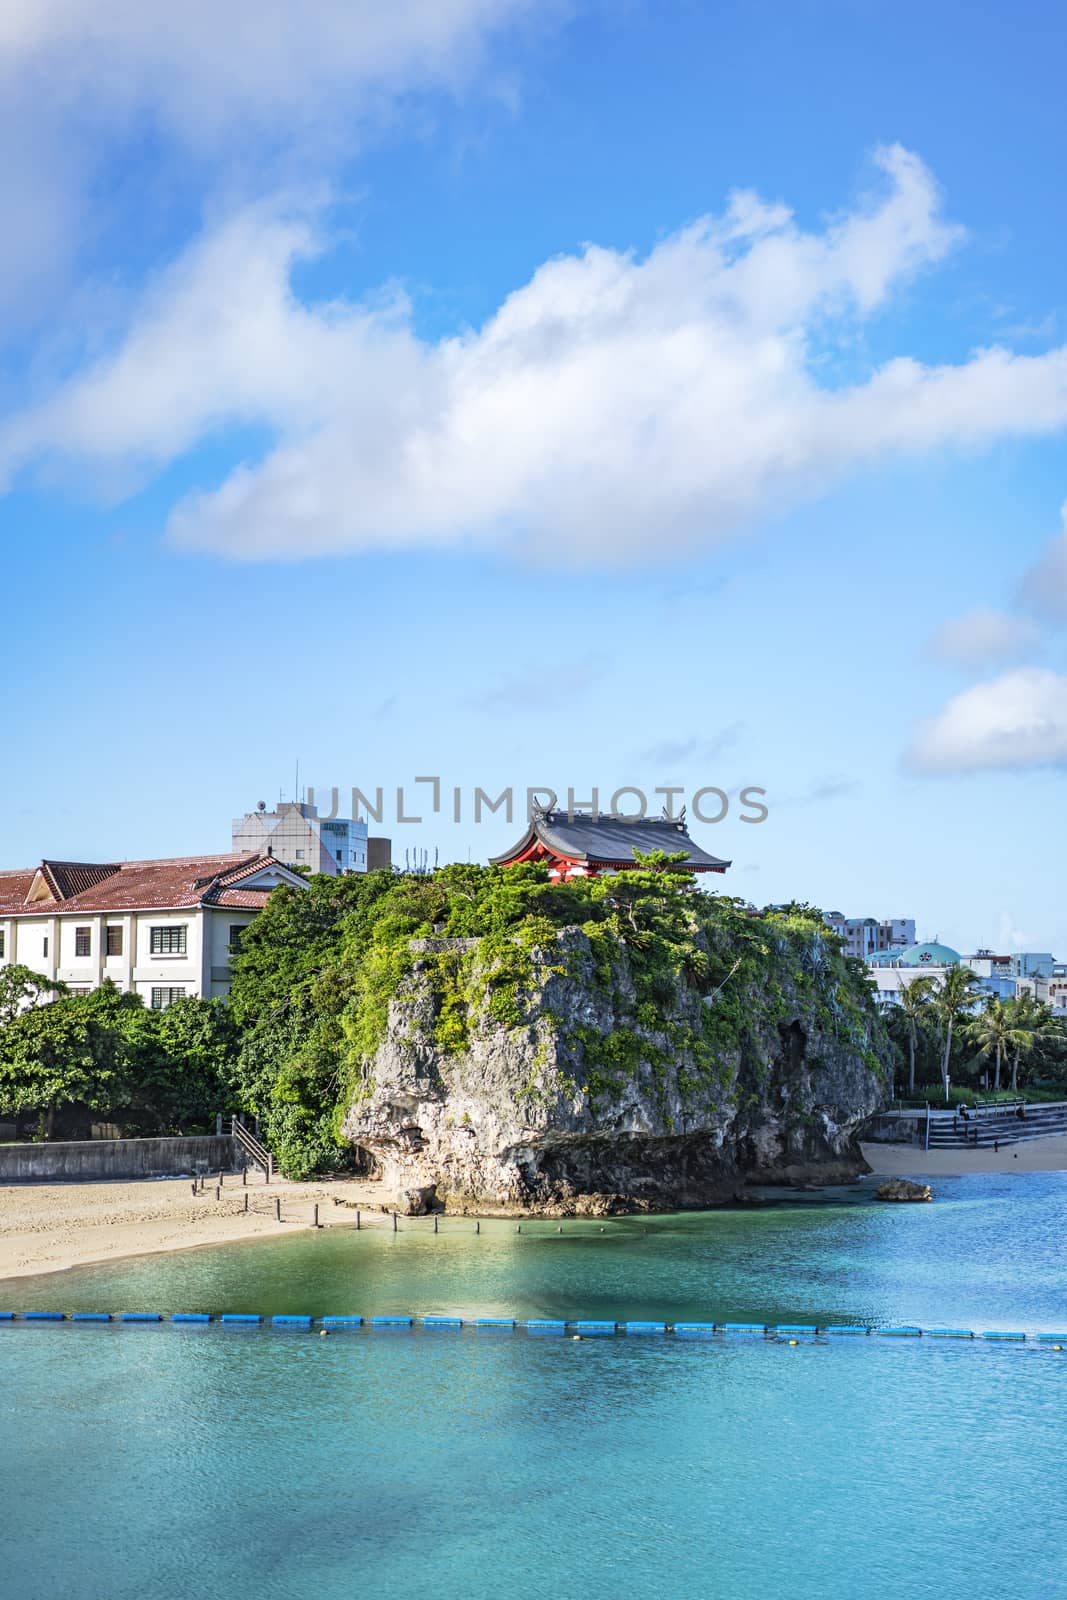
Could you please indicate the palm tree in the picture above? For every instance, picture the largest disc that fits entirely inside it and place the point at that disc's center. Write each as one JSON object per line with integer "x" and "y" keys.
{"x": 913, "y": 1003}
{"x": 955, "y": 997}
{"x": 996, "y": 1032}
{"x": 1033, "y": 1023}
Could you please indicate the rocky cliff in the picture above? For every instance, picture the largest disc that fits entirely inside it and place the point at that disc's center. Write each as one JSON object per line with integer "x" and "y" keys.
{"x": 569, "y": 1085}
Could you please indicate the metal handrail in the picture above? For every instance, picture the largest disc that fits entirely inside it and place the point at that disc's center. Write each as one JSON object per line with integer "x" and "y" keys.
{"x": 252, "y": 1147}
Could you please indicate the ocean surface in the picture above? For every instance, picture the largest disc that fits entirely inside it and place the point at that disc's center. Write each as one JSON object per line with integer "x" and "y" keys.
{"x": 156, "y": 1461}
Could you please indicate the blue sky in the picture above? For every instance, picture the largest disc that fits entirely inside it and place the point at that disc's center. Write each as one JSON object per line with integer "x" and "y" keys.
{"x": 373, "y": 395}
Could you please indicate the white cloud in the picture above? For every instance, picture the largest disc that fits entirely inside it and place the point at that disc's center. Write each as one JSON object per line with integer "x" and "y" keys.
{"x": 225, "y": 95}
{"x": 611, "y": 407}
{"x": 204, "y": 65}
{"x": 1044, "y": 588}
{"x": 1015, "y": 721}
{"x": 983, "y": 638}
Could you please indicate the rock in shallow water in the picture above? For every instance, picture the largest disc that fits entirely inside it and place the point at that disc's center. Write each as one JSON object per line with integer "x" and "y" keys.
{"x": 904, "y": 1189}
{"x": 417, "y": 1202}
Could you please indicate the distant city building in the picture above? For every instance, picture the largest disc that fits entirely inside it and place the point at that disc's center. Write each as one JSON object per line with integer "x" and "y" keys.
{"x": 1057, "y": 987}
{"x": 1032, "y": 964}
{"x": 890, "y": 980}
{"x": 999, "y": 977}
{"x": 1023, "y": 964}
{"x": 298, "y": 836}
{"x": 866, "y": 936}
{"x": 987, "y": 964}
{"x": 161, "y": 929}
{"x": 893, "y": 970}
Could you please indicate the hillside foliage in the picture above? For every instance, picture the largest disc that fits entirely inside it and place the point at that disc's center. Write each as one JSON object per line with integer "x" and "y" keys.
{"x": 316, "y": 974}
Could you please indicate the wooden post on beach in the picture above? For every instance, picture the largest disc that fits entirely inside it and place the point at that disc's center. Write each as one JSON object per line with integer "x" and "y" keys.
{"x": 435, "y": 1222}
{"x": 246, "y": 1199}
{"x": 358, "y": 1223}
{"x": 220, "y": 1180}
{"x": 194, "y": 1185}
{"x": 244, "y": 1177}
{"x": 394, "y": 1221}
{"x": 218, "y": 1191}
{"x": 315, "y": 1217}
{"x": 478, "y": 1227}
{"x": 277, "y": 1210}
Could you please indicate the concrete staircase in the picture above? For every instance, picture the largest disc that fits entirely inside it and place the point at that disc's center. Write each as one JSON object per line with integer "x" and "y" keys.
{"x": 990, "y": 1125}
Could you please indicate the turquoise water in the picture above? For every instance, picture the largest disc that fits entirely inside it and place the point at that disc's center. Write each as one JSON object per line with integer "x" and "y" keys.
{"x": 155, "y": 1461}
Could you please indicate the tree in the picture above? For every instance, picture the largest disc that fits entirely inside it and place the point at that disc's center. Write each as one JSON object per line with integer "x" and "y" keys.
{"x": 955, "y": 997}
{"x": 1033, "y": 1024}
{"x": 913, "y": 1005}
{"x": 49, "y": 1059}
{"x": 995, "y": 1033}
{"x": 21, "y": 988}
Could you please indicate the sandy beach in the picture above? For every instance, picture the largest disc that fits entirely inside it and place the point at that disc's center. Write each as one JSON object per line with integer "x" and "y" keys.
{"x": 908, "y": 1161}
{"x": 50, "y": 1227}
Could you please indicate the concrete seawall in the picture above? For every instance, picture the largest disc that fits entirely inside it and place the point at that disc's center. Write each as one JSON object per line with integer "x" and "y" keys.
{"x": 115, "y": 1159}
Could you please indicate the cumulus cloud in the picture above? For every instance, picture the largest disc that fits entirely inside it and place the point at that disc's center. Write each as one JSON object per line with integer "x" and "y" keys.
{"x": 1012, "y": 722}
{"x": 612, "y": 406}
{"x": 983, "y": 638}
{"x": 1044, "y": 587}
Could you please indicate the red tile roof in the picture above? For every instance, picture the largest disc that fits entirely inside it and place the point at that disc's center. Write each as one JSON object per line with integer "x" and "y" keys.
{"x": 136, "y": 885}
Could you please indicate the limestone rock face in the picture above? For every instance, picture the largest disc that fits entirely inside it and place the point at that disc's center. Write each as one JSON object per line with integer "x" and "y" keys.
{"x": 903, "y": 1189}
{"x": 525, "y": 1118}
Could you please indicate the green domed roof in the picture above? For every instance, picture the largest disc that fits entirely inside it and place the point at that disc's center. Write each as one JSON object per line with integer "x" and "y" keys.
{"x": 930, "y": 954}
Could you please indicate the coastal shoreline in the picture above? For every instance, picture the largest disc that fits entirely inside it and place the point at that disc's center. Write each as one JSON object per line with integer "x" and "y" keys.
{"x": 909, "y": 1161}
{"x": 54, "y": 1227}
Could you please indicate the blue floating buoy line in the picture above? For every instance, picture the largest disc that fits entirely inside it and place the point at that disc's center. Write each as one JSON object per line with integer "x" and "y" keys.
{"x": 792, "y": 1332}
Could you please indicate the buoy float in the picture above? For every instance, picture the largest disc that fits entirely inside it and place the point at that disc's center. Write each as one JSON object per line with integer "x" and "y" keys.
{"x": 324, "y": 1333}
{"x": 793, "y": 1341}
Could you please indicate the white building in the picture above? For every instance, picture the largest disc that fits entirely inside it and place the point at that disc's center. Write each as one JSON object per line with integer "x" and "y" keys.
{"x": 864, "y": 936}
{"x": 160, "y": 929}
{"x": 296, "y": 835}
{"x": 890, "y": 981}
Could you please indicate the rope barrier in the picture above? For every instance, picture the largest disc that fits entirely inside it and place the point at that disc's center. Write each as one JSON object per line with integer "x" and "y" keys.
{"x": 577, "y": 1327}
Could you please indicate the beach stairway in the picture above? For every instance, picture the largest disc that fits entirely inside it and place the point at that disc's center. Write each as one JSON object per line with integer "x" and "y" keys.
{"x": 996, "y": 1125}
{"x": 248, "y": 1149}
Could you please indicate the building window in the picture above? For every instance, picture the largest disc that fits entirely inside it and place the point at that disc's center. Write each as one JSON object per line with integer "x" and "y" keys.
{"x": 83, "y": 942}
{"x": 1, "y": 944}
{"x": 300, "y": 855}
{"x": 168, "y": 941}
{"x": 340, "y": 855}
{"x": 236, "y": 930}
{"x": 78, "y": 989}
{"x": 45, "y": 945}
{"x": 163, "y": 997}
{"x": 114, "y": 941}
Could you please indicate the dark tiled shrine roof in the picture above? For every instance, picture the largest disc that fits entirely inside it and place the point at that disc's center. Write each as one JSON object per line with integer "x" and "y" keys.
{"x": 610, "y": 841}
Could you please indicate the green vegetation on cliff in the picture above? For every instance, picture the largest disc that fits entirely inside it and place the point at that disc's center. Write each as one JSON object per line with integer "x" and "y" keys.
{"x": 317, "y": 972}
